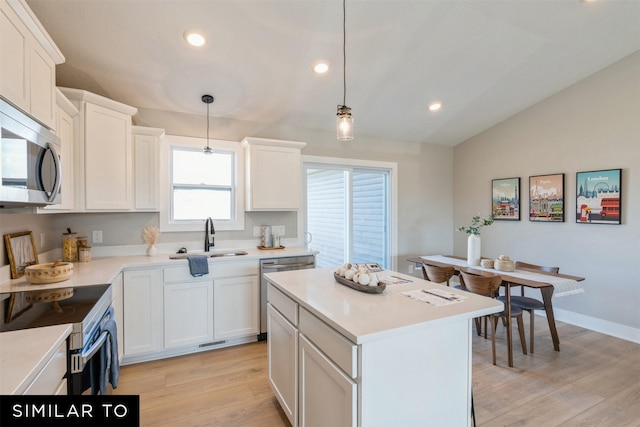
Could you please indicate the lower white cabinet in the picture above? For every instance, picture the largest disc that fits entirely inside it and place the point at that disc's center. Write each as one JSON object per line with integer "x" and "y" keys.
{"x": 50, "y": 380}
{"x": 188, "y": 313}
{"x": 283, "y": 362}
{"x": 236, "y": 311}
{"x": 142, "y": 312}
{"x": 327, "y": 396}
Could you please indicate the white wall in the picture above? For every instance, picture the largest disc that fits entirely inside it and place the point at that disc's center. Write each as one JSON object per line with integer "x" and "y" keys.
{"x": 592, "y": 125}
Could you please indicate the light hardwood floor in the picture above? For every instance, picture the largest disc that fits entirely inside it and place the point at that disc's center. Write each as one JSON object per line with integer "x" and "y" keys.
{"x": 593, "y": 381}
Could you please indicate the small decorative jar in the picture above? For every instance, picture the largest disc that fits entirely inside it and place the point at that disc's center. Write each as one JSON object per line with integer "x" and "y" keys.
{"x": 84, "y": 253}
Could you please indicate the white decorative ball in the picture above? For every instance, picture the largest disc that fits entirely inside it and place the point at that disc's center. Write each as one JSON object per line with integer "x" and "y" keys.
{"x": 364, "y": 279}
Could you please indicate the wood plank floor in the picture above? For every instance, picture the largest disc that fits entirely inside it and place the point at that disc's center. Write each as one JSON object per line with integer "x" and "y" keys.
{"x": 593, "y": 381}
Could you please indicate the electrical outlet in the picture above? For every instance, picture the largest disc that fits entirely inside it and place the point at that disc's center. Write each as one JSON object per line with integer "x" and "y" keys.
{"x": 257, "y": 231}
{"x": 410, "y": 269}
{"x": 278, "y": 230}
{"x": 42, "y": 240}
{"x": 97, "y": 236}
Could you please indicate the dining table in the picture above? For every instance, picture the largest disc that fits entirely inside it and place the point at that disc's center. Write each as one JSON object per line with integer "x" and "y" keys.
{"x": 549, "y": 284}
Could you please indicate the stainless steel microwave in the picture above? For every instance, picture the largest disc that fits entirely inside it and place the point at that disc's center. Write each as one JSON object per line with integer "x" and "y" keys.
{"x": 30, "y": 166}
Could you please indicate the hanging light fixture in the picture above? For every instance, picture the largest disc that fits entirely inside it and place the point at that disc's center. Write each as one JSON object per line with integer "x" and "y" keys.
{"x": 344, "y": 121}
{"x": 207, "y": 99}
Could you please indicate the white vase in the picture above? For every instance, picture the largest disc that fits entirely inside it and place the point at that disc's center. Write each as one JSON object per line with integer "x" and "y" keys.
{"x": 473, "y": 249}
{"x": 152, "y": 250}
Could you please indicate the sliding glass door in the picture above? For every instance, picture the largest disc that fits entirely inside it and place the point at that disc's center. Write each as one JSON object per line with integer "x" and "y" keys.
{"x": 347, "y": 214}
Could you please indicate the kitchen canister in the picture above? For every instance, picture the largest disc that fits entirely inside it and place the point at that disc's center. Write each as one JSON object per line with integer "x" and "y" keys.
{"x": 267, "y": 240}
{"x": 70, "y": 246}
{"x": 84, "y": 253}
{"x": 276, "y": 240}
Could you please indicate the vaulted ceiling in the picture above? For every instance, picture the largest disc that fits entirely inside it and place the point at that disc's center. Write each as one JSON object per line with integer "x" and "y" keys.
{"x": 485, "y": 60}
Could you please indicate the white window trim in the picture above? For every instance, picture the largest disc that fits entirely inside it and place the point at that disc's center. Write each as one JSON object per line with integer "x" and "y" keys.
{"x": 359, "y": 163}
{"x": 169, "y": 141}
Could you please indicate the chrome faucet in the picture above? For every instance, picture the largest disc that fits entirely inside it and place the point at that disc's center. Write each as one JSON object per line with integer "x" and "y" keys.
{"x": 209, "y": 232}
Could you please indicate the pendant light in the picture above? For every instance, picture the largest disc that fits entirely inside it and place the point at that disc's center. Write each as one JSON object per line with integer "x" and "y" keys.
{"x": 344, "y": 121}
{"x": 207, "y": 99}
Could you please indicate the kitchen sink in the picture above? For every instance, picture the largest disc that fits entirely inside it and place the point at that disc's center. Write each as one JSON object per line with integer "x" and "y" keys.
{"x": 210, "y": 254}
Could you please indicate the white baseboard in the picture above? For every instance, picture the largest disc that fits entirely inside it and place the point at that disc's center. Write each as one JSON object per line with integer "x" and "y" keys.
{"x": 598, "y": 325}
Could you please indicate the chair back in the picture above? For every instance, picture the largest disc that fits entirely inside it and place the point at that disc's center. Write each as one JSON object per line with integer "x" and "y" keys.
{"x": 437, "y": 274}
{"x": 486, "y": 284}
{"x": 525, "y": 265}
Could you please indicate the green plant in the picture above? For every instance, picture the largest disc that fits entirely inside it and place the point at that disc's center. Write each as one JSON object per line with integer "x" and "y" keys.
{"x": 476, "y": 224}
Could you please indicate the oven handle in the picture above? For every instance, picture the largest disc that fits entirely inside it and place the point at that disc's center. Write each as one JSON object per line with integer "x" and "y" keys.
{"x": 91, "y": 351}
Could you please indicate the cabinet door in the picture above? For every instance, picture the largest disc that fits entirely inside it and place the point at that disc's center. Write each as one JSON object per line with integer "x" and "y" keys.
{"x": 108, "y": 164}
{"x": 283, "y": 362}
{"x": 237, "y": 307}
{"x": 15, "y": 41}
{"x": 275, "y": 178}
{"x": 145, "y": 172}
{"x": 188, "y": 313}
{"x": 142, "y": 312}
{"x": 42, "y": 80}
{"x": 327, "y": 396}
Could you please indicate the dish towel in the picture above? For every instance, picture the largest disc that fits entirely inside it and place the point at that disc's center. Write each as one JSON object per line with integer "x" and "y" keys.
{"x": 104, "y": 365}
{"x": 198, "y": 265}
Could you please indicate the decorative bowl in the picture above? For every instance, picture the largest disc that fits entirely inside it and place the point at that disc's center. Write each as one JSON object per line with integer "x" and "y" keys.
{"x": 52, "y": 272}
{"x": 486, "y": 263}
{"x": 504, "y": 265}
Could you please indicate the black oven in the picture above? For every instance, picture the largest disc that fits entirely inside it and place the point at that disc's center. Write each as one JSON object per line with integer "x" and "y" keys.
{"x": 86, "y": 308}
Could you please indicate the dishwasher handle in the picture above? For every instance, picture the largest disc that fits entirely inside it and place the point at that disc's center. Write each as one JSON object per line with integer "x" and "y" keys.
{"x": 276, "y": 267}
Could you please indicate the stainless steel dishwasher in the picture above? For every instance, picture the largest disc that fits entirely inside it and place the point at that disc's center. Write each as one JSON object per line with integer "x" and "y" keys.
{"x": 272, "y": 265}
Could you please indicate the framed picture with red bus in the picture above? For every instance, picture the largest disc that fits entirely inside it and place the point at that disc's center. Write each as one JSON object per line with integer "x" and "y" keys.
{"x": 599, "y": 197}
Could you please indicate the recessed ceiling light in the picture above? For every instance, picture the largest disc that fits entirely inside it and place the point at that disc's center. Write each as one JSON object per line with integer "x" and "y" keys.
{"x": 321, "y": 68}
{"x": 194, "y": 38}
{"x": 435, "y": 106}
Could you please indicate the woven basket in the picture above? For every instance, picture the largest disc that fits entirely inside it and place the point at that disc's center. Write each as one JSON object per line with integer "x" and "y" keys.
{"x": 504, "y": 265}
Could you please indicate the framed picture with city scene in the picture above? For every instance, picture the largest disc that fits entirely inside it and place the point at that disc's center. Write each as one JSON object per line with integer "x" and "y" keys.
{"x": 546, "y": 198}
{"x": 505, "y": 199}
{"x": 599, "y": 197}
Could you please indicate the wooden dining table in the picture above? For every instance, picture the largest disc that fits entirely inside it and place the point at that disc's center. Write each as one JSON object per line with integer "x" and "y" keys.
{"x": 545, "y": 282}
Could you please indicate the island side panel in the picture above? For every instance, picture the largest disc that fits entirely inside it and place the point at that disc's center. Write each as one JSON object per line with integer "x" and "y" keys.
{"x": 417, "y": 379}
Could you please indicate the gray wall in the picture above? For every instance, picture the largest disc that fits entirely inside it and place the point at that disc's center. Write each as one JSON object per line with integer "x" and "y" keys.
{"x": 592, "y": 125}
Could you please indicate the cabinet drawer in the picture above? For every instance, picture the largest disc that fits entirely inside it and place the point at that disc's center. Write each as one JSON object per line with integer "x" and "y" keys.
{"x": 339, "y": 349}
{"x": 285, "y": 305}
{"x": 181, "y": 274}
{"x": 49, "y": 378}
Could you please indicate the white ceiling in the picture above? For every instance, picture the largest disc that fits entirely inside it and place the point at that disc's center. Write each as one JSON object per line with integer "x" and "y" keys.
{"x": 485, "y": 60}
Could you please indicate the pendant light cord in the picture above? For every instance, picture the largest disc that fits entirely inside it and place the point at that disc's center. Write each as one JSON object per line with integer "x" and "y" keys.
{"x": 207, "y": 125}
{"x": 344, "y": 52}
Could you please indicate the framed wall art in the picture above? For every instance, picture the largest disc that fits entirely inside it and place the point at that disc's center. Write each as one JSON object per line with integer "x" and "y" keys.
{"x": 21, "y": 250}
{"x": 505, "y": 199}
{"x": 599, "y": 197}
{"x": 546, "y": 198}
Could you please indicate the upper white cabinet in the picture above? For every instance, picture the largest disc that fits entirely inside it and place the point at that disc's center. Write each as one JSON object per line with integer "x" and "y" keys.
{"x": 145, "y": 166}
{"x": 104, "y": 153}
{"x": 273, "y": 174}
{"x": 28, "y": 58}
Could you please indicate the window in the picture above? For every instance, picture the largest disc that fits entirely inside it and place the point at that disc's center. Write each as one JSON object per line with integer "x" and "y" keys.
{"x": 197, "y": 186}
{"x": 349, "y": 211}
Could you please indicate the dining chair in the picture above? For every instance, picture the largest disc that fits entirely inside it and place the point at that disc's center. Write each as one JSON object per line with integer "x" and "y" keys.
{"x": 529, "y": 304}
{"x": 437, "y": 274}
{"x": 488, "y": 284}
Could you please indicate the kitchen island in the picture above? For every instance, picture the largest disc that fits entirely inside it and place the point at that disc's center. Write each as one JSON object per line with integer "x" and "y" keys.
{"x": 338, "y": 356}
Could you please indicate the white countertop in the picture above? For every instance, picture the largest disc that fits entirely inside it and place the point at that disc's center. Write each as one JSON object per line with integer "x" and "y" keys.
{"x": 363, "y": 317}
{"x": 25, "y": 353}
{"x": 101, "y": 271}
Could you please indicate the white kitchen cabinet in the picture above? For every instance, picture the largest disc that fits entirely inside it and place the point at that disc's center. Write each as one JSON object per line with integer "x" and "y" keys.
{"x": 145, "y": 167}
{"x": 50, "y": 380}
{"x": 28, "y": 57}
{"x": 273, "y": 171}
{"x": 142, "y": 298}
{"x": 66, "y": 118}
{"x": 283, "y": 361}
{"x": 236, "y": 307}
{"x": 328, "y": 397}
{"x": 188, "y": 313}
{"x": 104, "y": 153}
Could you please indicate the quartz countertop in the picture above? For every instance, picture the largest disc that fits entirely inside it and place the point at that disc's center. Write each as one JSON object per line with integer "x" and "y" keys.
{"x": 25, "y": 353}
{"x": 363, "y": 317}
{"x": 104, "y": 270}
